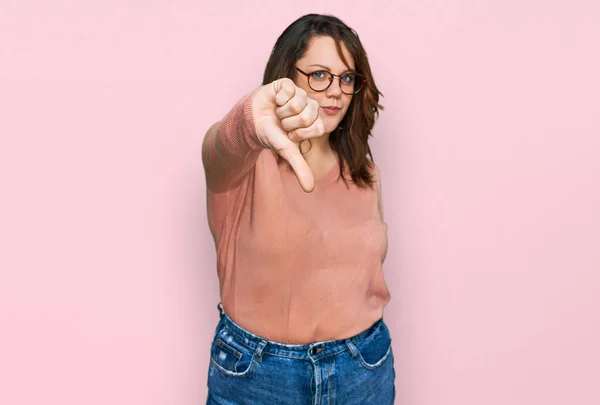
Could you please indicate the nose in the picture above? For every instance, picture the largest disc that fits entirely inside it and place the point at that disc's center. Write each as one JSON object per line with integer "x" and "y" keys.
{"x": 335, "y": 89}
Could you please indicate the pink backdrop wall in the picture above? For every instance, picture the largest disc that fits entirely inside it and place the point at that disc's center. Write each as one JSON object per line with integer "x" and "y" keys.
{"x": 488, "y": 148}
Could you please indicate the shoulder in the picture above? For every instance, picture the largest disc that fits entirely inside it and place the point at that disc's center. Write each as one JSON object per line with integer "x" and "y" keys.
{"x": 375, "y": 174}
{"x": 377, "y": 187}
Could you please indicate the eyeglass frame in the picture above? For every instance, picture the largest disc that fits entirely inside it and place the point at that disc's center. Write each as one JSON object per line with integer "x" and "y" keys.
{"x": 333, "y": 76}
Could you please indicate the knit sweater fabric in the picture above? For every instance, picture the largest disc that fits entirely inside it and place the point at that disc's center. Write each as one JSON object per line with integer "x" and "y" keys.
{"x": 293, "y": 267}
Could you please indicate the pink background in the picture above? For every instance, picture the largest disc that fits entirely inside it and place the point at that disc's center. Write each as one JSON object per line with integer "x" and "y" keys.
{"x": 488, "y": 148}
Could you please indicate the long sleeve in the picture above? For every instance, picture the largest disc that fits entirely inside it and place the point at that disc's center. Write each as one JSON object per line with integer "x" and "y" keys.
{"x": 231, "y": 147}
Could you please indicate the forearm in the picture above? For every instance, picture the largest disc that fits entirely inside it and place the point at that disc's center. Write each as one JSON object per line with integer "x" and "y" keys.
{"x": 231, "y": 147}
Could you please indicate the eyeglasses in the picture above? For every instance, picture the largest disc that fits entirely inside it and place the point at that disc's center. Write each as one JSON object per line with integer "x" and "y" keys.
{"x": 320, "y": 80}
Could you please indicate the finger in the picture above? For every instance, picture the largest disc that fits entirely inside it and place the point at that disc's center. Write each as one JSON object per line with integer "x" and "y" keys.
{"x": 299, "y": 166}
{"x": 304, "y": 119}
{"x": 285, "y": 89}
{"x": 294, "y": 106}
{"x": 315, "y": 130}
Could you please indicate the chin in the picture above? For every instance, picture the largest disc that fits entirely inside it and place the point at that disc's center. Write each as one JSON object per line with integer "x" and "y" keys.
{"x": 331, "y": 126}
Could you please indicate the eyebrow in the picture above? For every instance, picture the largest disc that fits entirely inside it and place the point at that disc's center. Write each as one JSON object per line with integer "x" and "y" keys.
{"x": 328, "y": 68}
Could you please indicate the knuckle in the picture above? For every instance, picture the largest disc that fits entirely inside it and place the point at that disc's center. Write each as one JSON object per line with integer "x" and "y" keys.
{"x": 319, "y": 126}
{"x": 285, "y": 86}
{"x": 316, "y": 114}
{"x": 306, "y": 119}
{"x": 296, "y": 105}
{"x": 294, "y": 136}
{"x": 287, "y": 83}
{"x": 279, "y": 112}
{"x": 285, "y": 125}
{"x": 301, "y": 92}
{"x": 303, "y": 133}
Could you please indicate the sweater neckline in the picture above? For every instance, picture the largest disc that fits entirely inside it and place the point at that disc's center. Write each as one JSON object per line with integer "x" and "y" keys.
{"x": 331, "y": 176}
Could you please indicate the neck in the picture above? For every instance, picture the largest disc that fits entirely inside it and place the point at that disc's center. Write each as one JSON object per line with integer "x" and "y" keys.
{"x": 320, "y": 156}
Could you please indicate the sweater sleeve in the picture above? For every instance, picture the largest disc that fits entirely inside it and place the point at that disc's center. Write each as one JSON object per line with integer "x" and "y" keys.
{"x": 231, "y": 147}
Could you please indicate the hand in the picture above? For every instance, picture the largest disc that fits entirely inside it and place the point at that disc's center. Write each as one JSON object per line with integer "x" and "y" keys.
{"x": 284, "y": 116}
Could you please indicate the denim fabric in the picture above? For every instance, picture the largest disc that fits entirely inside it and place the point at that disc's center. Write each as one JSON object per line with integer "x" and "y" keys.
{"x": 249, "y": 369}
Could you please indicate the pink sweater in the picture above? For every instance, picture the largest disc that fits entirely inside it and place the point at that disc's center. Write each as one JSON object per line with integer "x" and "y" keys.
{"x": 293, "y": 267}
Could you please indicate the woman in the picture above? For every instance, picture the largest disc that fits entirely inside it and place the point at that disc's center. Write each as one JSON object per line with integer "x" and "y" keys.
{"x": 294, "y": 207}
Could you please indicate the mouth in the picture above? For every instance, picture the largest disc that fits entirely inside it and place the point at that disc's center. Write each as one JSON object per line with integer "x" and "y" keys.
{"x": 331, "y": 110}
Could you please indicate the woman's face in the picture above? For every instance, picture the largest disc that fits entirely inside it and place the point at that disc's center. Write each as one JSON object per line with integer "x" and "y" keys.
{"x": 322, "y": 55}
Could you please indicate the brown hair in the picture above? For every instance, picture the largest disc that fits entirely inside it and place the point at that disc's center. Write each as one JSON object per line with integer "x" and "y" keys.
{"x": 350, "y": 138}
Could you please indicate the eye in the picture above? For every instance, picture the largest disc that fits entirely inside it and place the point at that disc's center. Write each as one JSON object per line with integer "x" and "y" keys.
{"x": 320, "y": 75}
{"x": 348, "y": 78}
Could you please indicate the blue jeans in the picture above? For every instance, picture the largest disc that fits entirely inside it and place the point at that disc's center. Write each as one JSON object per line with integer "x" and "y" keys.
{"x": 249, "y": 369}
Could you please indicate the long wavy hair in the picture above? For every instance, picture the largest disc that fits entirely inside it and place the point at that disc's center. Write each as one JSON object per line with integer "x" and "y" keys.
{"x": 350, "y": 138}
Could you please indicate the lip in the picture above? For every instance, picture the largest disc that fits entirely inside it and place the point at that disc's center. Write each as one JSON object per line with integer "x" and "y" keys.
{"x": 331, "y": 110}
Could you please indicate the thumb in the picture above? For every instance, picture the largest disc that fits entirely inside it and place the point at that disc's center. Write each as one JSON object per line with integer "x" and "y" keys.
{"x": 299, "y": 166}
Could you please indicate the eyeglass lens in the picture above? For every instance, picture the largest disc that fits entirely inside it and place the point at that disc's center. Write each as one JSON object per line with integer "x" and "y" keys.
{"x": 349, "y": 83}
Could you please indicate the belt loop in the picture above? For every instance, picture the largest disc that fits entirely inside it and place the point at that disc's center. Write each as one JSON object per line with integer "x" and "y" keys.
{"x": 221, "y": 310}
{"x": 352, "y": 348}
{"x": 259, "y": 350}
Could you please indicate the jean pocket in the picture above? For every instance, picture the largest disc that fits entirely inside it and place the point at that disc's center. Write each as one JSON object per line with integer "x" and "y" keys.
{"x": 375, "y": 348}
{"x": 230, "y": 356}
